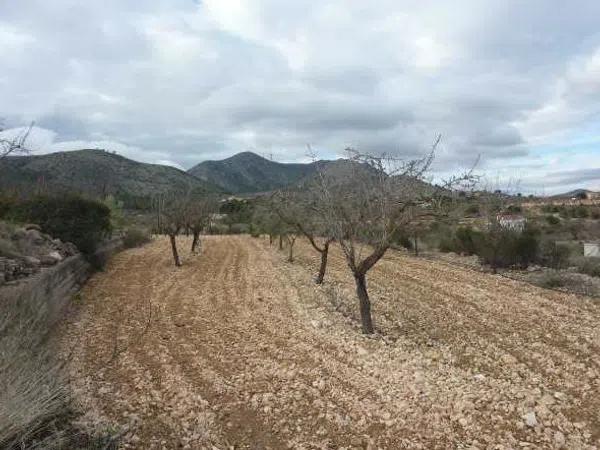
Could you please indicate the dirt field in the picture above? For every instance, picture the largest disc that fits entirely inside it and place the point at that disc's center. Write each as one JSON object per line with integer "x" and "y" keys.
{"x": 238, "y": 349}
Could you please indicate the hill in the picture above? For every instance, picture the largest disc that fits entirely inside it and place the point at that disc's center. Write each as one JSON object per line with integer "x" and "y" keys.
{"x": 248, "y": 172}
{"x": 96, "y": 173}
{"x": 577, "y": 193}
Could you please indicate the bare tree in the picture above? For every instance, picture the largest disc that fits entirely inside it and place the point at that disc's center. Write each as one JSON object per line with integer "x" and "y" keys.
{"x": 297, "y": 209}
{"x": 366, "y": 204}
{"x": 173, "y": 220}
{"x": 290, "y": 237}
{"x": 15, "y": 145}
{"x": 266, "y": 220}
{"x": 198, "y": 215}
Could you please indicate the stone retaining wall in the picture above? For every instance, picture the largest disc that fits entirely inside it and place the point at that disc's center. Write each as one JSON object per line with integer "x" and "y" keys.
{"x": 53, "y": 287}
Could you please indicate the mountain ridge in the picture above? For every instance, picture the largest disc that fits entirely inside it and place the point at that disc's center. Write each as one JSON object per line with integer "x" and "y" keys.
{"x": 247, "y": 172}
{"x": 96, "y": 173}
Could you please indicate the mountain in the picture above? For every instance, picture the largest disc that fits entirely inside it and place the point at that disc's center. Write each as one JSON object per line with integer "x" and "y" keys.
{"x": 248, "y": 172}
{"x": 577, "y": 193}
{"x": 94, "y": 172}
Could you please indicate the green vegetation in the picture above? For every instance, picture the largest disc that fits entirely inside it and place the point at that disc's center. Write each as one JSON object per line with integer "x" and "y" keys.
{"x": 498, "y": 247}
{"x": 552, "y": 220}
{"x": 74, "y": 219}
{"x": 552, "y": 281}
{"x": 588, "y": 266}
{"x": 136, "y": 237}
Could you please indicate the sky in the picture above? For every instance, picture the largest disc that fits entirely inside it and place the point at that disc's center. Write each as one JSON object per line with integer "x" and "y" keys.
{"x": 176, "y": 82}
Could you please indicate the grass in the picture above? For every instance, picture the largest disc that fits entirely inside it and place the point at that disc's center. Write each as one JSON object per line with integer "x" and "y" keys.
{"x": 35, "y": 408}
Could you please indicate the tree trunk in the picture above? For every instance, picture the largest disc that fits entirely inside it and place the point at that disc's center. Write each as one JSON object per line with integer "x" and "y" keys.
{"x": 195, "y": 241}
{"x": 270, "y": 240}
{"x": 364, "y": 302}
{"x": 323, "y": 266}
{"x": 174, "y": 249}
{"x": 291, "y": 253}
{"x": 416, "y": 245}
{"x": 280, "y": 242}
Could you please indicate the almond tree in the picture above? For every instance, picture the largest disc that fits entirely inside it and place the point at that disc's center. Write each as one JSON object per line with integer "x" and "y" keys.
{"x": 365, "y": 207}
{"x": 297, "y": 209}
{"x": 198, "y": 213}
{"x": 15, "y": 145}
{"x": 173, "y": 220}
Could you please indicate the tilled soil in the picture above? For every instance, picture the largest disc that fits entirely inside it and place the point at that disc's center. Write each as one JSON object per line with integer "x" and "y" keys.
{"x": 239, "y": 349}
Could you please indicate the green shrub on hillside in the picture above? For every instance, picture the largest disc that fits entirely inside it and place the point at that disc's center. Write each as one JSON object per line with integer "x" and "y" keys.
{"x": 136, "y": 237}
{"x": 552, "y": 220}
{"x": 588, "y": 266}
{"x": 552, "y": 281}
{"x": 498, "y": 247}
{"x": 554, "y": 255}
{"x": 71, "y": 219}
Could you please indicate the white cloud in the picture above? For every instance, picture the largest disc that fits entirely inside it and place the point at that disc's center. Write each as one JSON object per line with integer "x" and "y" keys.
{"x": 181, "y": 81}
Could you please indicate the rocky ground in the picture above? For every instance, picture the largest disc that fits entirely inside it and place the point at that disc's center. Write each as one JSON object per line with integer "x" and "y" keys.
{"x": 25, "y": 250}
{"x": 238, "y": 349}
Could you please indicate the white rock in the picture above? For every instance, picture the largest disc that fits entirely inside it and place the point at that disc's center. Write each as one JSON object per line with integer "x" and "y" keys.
{"x": 559, "y": 439}
{"x": 530, "y": 419}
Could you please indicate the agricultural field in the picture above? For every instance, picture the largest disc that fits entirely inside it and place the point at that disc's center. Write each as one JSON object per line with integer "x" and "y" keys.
{"x": 238, "y": 348}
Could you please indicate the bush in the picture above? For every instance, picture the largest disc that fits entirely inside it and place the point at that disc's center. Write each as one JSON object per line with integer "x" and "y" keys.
{"x": 136, "y": 237}
{"x": 402, "y": 239}
{"x": 580, "y": 212}
{"x": 472, "y": 210}
{"x": 7, "y": 249}
{"x": 552, "y": 280}
{"x": 239, "y": 228}
{"x": 549, "y": 209}
{"x": 588, "y": 266}
{"x": 554, "y": 255}
{"x": 503, "y": 247}
{"x": 74, "y": 219}
{"x": 552, "y": 220}
{"x": 466, "y": 240}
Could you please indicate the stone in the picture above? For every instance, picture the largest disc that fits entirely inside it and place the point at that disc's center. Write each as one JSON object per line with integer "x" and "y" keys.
{"x": 48, "y": 260}
{"x": 559, "y": 439}
{"x": 31, "y": 261}
{"x": 56, "y": 255}
{"x": 530, "y": 419}
{"x": 34, "y": 236}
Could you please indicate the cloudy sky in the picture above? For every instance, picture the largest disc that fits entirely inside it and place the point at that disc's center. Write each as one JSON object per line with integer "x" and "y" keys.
{"x": 180, "y": 81}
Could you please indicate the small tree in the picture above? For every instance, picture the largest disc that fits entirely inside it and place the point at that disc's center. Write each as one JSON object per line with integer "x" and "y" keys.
{"x": 296, "y": 208}
{"x": 15, "y": 145}
{"x": 173, "y": 219}
{"x": 198, "y": 215}
{"x": 365, "y": 205}
{"x": 290, "y": 237}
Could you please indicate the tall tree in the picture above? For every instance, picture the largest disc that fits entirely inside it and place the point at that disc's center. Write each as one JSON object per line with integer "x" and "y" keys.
{"x": 372, "y": 200}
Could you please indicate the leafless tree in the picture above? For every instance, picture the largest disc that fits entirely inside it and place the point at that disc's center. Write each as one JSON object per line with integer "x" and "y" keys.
{"x": 366, "y": 205}
{"x": 15, "y": 145}
{"x": 290, "y": 237}
{"x": 173, "y": 219}
{"x": 296, "y": 208}
{"x": 266, "y": 220}
{"x": 198, "y": 213}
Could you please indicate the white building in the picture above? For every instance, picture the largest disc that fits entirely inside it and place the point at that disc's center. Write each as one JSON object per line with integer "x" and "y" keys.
{"x": 512, "y": 221}
{"x": 591, "y": 249}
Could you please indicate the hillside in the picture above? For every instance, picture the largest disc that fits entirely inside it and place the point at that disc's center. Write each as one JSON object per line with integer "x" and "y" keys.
{"x": 94, "y": 172}
{"x": 577, "y": 193}
{"x": 248, "y": 172}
